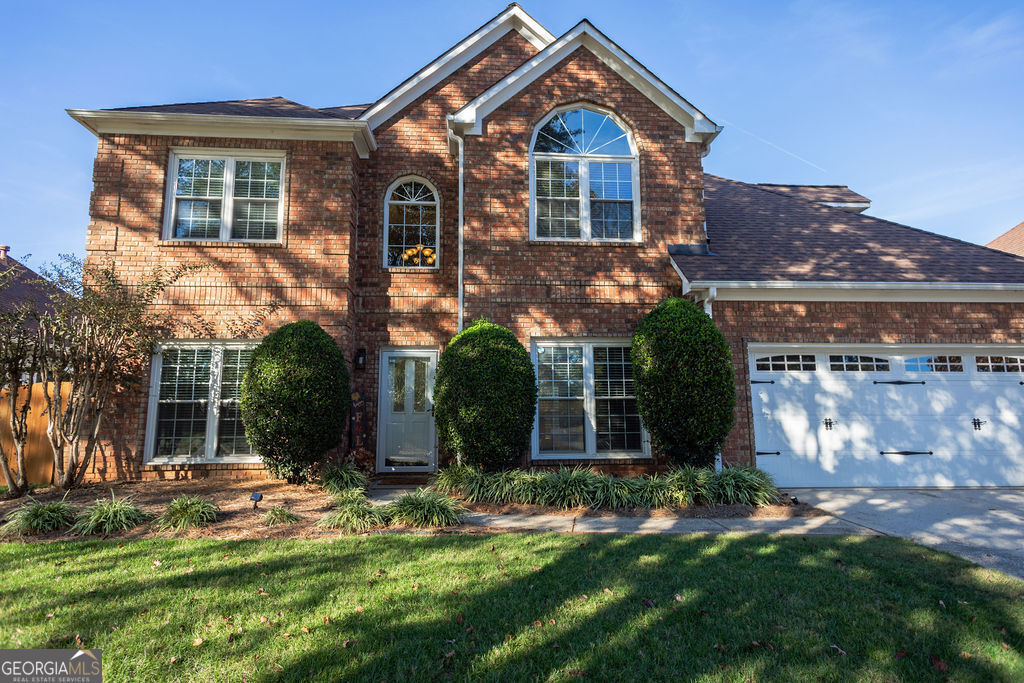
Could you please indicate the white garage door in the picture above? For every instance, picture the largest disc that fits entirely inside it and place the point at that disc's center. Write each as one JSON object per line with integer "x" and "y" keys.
{"x": 831, "y": 416}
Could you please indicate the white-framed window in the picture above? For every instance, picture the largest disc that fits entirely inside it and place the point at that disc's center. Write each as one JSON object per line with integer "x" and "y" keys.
{"x": 412, "y": 222}
{"x": 586, "y": 401}
{"x": 934, "y": 364}
{"x": 584, "y": 178}
{"x": 194, "y": 397}
{"x": 225, "y": 196}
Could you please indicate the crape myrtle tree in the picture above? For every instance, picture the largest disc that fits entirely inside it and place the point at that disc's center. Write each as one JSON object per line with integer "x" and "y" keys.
{"x": 685, "y": 385}
{"x": 485, "y": 397}
{"x": 295, "y": 399}
{"x": 19, "y": 362}
{"x": 94, "y": 338}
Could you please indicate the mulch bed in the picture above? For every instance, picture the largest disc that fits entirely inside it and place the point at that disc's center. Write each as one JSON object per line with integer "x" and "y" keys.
{"x": 238, "y": 520}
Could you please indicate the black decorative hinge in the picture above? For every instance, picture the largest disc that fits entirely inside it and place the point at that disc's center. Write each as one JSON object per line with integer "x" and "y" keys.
{"x": 829, "y": 423}
{"x": 897, "y": 382}
{"x": 771, "y": 381}
{"x": 977, "y": 424}
{"x": 905, "y": 453}
{"x": 767, "y": 453}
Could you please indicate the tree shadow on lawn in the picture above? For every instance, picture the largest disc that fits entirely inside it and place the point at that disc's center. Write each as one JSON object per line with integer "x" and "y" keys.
{"x": 749, "y": 606}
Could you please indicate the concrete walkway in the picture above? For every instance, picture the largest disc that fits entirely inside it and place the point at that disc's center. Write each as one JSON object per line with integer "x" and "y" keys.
{"x": 985, "y": 526}
{"x": 823, "y": 525}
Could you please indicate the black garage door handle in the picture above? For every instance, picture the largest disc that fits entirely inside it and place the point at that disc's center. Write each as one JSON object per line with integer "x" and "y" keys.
{"x": 771, "y": 381}
{"x": 905, "y": 453}
{"x": 767, "y": 453}
{"x": 900, "y": 382}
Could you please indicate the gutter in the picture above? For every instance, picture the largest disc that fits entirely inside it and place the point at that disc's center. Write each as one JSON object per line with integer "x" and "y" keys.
{"x": 460, "y": 146}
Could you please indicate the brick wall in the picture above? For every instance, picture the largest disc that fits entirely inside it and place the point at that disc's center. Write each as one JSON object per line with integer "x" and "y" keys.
{"x": 852, "y": 322}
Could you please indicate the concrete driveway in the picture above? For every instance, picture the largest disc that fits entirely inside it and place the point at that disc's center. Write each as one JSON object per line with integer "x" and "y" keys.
{"x": 985, "y": 526}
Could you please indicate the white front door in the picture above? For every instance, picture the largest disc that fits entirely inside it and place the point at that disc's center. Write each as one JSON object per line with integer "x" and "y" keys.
{"x": 889, "y": 416}
{"x": 406, "y": 438}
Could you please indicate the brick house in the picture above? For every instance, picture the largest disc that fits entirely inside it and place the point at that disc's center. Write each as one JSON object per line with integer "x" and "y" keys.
{"x": 555, "y": 186}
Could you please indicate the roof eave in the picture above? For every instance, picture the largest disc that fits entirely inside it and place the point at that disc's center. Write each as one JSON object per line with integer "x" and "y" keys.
{"x": 103, "y": 121}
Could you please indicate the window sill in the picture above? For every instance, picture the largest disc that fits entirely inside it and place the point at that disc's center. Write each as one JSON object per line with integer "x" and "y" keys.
{"x": 589, "y": 243}
{"x": 595, "y": 457}
{"x": 406, "y": 269}
{"x": 232, "y": 244}
{"x": 226, "y": 460}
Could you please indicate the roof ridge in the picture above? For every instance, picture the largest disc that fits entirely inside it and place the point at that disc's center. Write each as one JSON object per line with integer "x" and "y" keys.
{"x": 847, "y": 214}
{"x": 179, "y": 104}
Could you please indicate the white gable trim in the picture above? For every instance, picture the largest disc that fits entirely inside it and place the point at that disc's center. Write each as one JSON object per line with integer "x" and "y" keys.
{"x": 513, "y": 18}
{"x": 699, "y": 128}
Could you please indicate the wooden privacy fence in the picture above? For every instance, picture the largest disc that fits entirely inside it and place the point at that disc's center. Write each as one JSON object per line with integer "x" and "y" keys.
{"x": 38, "y": 454}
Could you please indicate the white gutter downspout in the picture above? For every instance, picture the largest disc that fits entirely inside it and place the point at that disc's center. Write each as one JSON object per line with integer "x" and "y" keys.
{"x": 711, "y": 296}
{"x": 459, "y": 143}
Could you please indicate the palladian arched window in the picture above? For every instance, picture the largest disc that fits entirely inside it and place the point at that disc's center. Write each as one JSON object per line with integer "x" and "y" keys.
{"x": 411, "y": 222}
{"x": 584, "y": 178}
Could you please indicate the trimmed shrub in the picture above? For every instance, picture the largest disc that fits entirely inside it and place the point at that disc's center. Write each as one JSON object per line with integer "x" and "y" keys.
{"x": 424, "y": 509}
{"x": 685, "y": 385}
{"x": 186, "y": 512}
{"x": 485, "y": 395}
{"x": 106, "y": 517}
{"x": 338, "y": 477}
{"x": 278, "y": 515}
{"x": 295, "y": 398}
{"x": 35, "y": 517}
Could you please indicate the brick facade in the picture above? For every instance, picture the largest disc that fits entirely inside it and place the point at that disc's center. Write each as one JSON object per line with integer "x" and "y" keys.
{"x": 329, "y": 266}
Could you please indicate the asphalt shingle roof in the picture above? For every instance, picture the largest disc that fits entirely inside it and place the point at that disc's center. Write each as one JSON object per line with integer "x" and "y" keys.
{"x": 757, "y": 234}
{"x": 22, "y": 289}
{"x": 267, "y": 106}
{"x": 1011, "y": 241}
{"x": 818, "y": 193}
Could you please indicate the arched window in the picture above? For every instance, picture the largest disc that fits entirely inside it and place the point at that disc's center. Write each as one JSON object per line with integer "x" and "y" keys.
{"x": 584, "y": 178}
{"x": 411, "y": 221}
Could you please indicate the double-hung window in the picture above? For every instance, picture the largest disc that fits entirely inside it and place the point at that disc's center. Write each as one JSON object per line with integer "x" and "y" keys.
{"x": 584, "y": 179}
{"x": 586, "y": 403}
{"x": 194, "y": 402}
{"x": 225, "y": 197}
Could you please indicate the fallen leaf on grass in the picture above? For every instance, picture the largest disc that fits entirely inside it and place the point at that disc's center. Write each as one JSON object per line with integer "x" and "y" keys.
{"x": 902, "y": 654}
{"x": 197, "y": 642}
{"x": 721, "y": 648}
{"x": 305, "y": 629}
{"x": 1005, "y": 646}
{"x": 359, "y": 609}
{"x": 327, "y": 620}
{"x": 449, "y": 654}
{"x": 347, "y": 642}
{"x": 173, "y": 660}
{"x": 838, "y": 649}
{"x": 286, "y": 635}
{"x": 679, "y": 598}
{"x": 937, "y": 663}
{"x": 648, "y": 603}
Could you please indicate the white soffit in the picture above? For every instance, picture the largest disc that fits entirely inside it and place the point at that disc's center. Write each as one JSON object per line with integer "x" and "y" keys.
{"x": 513, "y": 18}
{"x": 751, "y": 290}
{"x": 699, "y": 128}
{"x": 101, "y": 121}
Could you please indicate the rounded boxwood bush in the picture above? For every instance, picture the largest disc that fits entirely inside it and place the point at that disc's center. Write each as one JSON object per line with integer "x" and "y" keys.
{"x": 295, "y": 398}
{"x": 485, "y": 395}
{"x": 685, "y": 386}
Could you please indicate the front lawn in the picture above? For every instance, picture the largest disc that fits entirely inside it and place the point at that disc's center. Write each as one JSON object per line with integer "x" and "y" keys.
{"x": 516, "y": 606}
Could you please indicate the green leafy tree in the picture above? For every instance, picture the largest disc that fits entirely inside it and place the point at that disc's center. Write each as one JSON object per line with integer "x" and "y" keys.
{"x": 295, "y": 398}
{"x": 485, "y": 396}
{"x": 685, "y": 385}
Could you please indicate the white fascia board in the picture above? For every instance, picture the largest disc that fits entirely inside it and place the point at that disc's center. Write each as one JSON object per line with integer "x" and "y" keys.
{"x": 218, "y": 125}
{"x": 981, "y": 292}
{"x": 513, "y": 18}
{"x": 686, "y": 283}
{"x": 699, "y": 128}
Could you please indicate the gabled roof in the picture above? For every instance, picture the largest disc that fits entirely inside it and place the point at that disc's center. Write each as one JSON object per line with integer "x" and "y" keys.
{"x": 839, "y": 196}
{"x": 762, "y": 236}
{"x": 1011, "y": 241}
{"x": 699, "y": 128}
{"x": 513, "y": 18}
{"x": 346, "y": 111}
{"x": 265, "y": 106}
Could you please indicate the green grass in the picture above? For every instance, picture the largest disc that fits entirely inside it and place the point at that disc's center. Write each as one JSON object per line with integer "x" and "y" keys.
{"x": 516, "y": 607}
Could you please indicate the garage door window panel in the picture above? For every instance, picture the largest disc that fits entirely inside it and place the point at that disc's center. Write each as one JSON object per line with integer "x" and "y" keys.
{"x": 786, "y": 363}
{"x": 1000, "y": 363}
{"x": 934, "y": 364}
{"x": 848, "y": 363}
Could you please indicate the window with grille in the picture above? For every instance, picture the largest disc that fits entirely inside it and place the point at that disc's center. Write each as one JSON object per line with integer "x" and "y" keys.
{"x": 786, "y": 363}
{"x": 934, "y": 364}
{"x": 1000, "y": 363}
{"x": 224, "y": 198}
{"x": 586, "y": 401}
{"x": 857, "y": 364}
{"x": 194, "y": 409}
{"x": 411, "y": 225}
{"x": 585, "y": 179}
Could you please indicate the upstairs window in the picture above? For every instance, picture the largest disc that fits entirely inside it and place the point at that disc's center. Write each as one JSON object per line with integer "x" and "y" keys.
{"x": 218, "y": 197}
{"x": 584, "y": 179}
{"x": 411, "y": 225}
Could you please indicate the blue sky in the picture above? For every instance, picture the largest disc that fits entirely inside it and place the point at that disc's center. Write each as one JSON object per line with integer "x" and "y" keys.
{"x": 916, "y": 105}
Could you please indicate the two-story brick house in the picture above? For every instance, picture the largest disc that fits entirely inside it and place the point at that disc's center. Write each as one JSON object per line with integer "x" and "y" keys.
{"x": 553, "y": 185}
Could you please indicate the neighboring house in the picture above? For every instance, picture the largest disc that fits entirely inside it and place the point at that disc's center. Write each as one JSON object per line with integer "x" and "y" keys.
{"x": 1011, "y": 241}
{"x": 555, "y": 186}
{"x": 20, "y": 286}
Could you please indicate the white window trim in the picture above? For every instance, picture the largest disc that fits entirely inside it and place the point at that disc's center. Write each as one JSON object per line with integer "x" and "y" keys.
{"x": 387, "y": 224}
{"x": 213, "y": 410}
{"x": 227, "y": 202}
{"x": 589, "y": 404}
{"x": 585, "y": 230}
